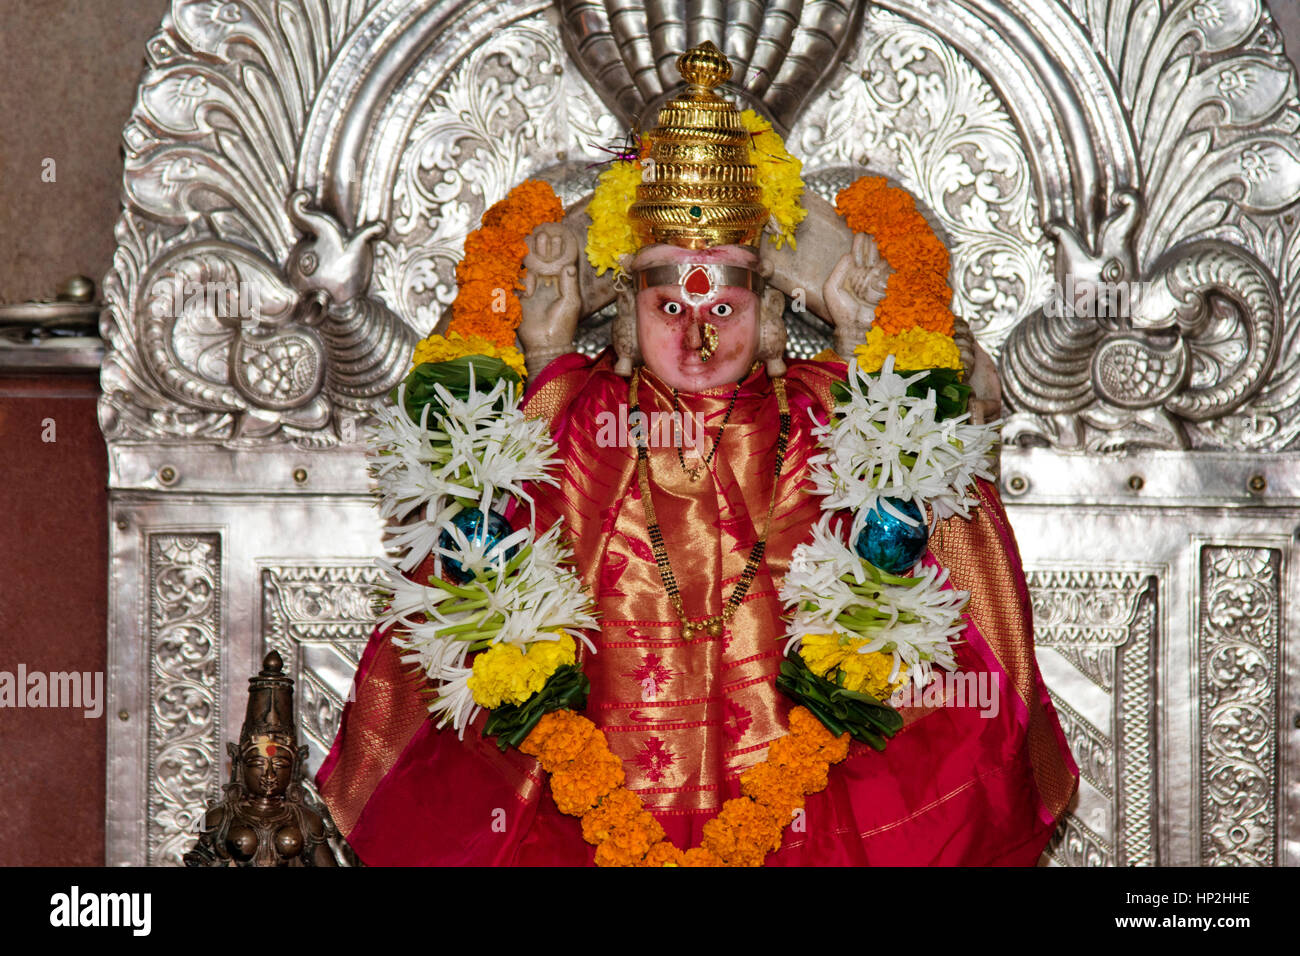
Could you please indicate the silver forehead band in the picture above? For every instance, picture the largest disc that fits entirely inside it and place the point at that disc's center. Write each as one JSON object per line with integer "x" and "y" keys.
{"x": 719, "y": 274}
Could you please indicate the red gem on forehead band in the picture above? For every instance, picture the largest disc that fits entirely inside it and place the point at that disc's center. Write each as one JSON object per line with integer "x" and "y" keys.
{"x": 697, "y": 282}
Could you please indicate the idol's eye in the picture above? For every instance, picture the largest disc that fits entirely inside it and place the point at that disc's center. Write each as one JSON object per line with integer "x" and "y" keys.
{"x": 673, "y": 308}
{"x": 721, "y": 310}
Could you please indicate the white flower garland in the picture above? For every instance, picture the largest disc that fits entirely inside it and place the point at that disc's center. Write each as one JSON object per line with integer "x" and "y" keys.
{"x": 834, "y": 591}
{"x": 485, "y": 450}
{"x": 482, "y": 450}
{"x": 882, "y": 443}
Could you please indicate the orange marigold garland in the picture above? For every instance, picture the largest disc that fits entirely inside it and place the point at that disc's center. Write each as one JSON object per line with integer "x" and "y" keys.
{"x": 492, "y": 269}
{"x": 589, "y": 777}
{"x": 587, "y": 781}
{"x": 914, "y": 324}
{"x": 557, "y": 739}
{"x": 915, "y": 314}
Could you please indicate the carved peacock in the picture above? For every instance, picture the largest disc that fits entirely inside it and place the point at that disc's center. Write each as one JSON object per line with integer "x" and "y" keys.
{"x": 1135, "y": 356}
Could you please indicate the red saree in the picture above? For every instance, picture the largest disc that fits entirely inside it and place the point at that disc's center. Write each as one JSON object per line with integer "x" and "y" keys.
{"x": 958, "y": 785}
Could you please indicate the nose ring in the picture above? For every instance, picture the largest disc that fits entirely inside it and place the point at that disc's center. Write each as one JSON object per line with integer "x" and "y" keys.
{"x": 710, "y": 341}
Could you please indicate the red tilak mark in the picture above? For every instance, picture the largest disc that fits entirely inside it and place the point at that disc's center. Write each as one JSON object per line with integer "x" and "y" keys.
{"x": 697, "y": 282}
{"x": 270, "y": 750}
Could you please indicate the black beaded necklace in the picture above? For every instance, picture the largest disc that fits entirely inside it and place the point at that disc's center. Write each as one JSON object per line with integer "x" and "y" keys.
{"x": 713, "y": 625}
{"x": 694, "y": 473}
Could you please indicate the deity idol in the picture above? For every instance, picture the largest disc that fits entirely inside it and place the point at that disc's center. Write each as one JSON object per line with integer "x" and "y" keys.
{"x": 740, "y": 609}
{"x": 263, "y": 819}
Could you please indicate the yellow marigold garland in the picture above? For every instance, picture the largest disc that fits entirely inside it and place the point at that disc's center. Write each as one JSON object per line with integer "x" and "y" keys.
{"x": 437, "y": 348}
{"x": 587, "y": 781}
{"x": 914, "y": 321}
{"x": 485, "y": 312}
{"x": 610, "y": 236}
{"x": 779, "y": 181}
{"x": 505, "y": 674}
{"x": 913, "y": 349}
{"x": 837, "y": 659}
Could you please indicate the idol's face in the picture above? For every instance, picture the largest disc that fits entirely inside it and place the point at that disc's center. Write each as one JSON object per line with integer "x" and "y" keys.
{"x": 697, "y": 340}
{"x": 268, "y": 766}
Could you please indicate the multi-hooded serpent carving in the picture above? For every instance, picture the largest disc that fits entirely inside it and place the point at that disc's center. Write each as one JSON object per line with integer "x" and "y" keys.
{"x": 782, "y": 50}
{"x": 1118, "y": 359}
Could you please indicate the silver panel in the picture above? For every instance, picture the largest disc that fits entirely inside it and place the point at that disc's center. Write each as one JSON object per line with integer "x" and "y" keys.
{"x": 1238, "y": 634}
{"x": 185, "y": 706}
{"x": 1096, "y": 633}
{"x": 212, "y": 582}
{"x": 319, "y": 619}
{"x": 1196, "y": 563}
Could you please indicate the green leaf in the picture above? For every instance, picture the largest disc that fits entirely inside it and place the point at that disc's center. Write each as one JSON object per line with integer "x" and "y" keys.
{"x": 866, "y": 719}
{"x": 511, "y": 724}
{"x": 454, "y": 376}
{"x": 951, "y": 394}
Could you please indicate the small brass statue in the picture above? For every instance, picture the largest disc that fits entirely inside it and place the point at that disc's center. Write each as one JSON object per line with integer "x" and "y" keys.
{"x": 263, "y": 819}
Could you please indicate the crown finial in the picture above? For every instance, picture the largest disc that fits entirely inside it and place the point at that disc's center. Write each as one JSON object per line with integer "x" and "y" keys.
{"x": 704, "y": 67}
{"x": 272, "y": 665}
{"x": 270, "y": 702}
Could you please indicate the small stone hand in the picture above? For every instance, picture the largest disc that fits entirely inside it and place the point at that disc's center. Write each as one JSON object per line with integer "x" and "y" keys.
{"x": 853, "y": 290}
{"x": 551, "y": 300}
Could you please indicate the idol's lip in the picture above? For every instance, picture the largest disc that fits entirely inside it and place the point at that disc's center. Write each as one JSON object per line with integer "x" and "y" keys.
{"x": 697, "y": 383}
{"x": 698, "y": 372}
{"x": 693, "y": 363}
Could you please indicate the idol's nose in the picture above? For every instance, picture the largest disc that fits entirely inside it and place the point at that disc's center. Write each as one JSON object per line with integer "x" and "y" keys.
{"x": 693, "y": 338}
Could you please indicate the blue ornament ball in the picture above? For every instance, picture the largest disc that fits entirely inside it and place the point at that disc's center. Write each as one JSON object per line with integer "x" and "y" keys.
{"x": 890, "y": 544}
{"x": 471, "y": 523}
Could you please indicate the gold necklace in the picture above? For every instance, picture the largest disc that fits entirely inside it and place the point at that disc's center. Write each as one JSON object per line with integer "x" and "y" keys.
{"x": 711, "y": 625}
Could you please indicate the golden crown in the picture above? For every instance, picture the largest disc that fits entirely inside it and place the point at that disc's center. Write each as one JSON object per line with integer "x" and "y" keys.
{"x": 698, "y": 187}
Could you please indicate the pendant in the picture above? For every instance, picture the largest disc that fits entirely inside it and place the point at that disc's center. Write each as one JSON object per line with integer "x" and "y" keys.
{"x": 692, "y": 470}
{"x": 711, "y": 626}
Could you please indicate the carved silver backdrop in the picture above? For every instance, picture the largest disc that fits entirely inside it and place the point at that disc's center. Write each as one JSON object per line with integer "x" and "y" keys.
{"x": 1063, "y": 146}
